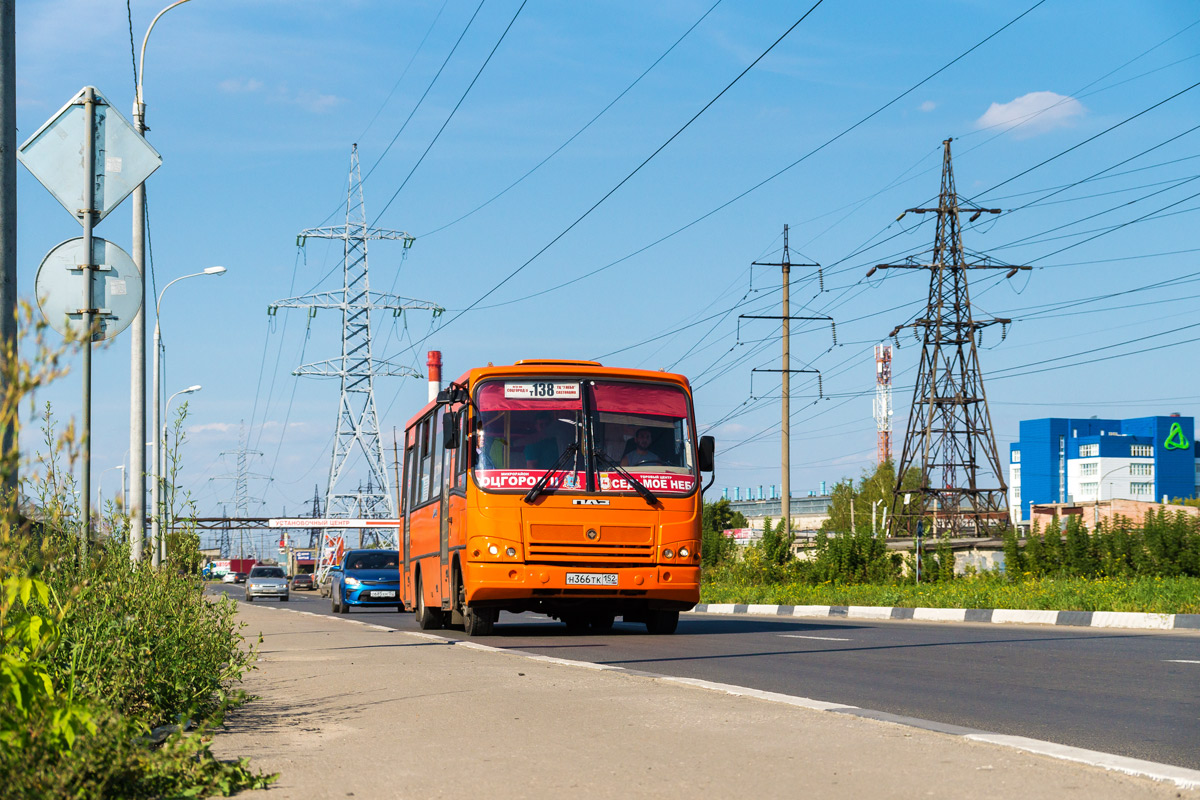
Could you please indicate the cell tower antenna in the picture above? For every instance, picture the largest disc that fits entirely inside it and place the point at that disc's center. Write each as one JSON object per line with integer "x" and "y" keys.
{"x": 949, "y": 435}
{"x": 883, "y": 402}
{"x": 358, "y": 415}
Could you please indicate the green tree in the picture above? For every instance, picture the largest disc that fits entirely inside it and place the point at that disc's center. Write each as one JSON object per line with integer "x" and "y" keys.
{"x": 717, "y": 517}
{"x": 874, "y": 487}
{"x": 1014, "y": 559}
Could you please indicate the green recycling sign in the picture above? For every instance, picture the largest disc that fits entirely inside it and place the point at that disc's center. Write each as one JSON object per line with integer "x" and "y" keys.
{"x": 1175, "y": 438}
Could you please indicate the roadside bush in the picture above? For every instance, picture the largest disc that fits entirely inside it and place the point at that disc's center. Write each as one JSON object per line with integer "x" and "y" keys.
{"x": 112, "y": 675}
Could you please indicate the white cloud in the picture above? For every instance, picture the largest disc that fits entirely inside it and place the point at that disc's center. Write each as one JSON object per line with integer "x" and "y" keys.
{"x": 315, "y": 101}
{"x": 240, "y": 85}
{"x": 928, "y": 105}
{"x": 1032, "y": 114}
{"x": 213, "y": 427}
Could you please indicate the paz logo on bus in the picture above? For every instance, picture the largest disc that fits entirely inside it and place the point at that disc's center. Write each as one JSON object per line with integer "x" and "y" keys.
{"x": 589, "y": 501}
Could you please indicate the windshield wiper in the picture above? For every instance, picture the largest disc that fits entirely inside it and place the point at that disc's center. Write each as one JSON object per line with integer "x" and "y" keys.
{"x": 540, "y": 486}
{"x": 637, "y": 485}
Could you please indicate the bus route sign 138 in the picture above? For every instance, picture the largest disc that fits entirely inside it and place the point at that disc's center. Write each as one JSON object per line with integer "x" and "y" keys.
{"x": 541, "y": 390}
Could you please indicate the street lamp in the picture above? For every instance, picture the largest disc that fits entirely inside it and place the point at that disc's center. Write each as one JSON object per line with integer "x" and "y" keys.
{"x": 156, "y": 456}
{"x": 100, "y": 485}
{"x": 137, "y": 331}
{"x": 157, "y": 535}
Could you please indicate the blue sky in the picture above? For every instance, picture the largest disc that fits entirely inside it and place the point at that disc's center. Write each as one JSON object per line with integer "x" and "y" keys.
{"x": 254, "y": 106}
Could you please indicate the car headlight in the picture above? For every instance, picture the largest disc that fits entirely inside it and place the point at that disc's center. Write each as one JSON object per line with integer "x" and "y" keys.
{"x": 349, "y": 581}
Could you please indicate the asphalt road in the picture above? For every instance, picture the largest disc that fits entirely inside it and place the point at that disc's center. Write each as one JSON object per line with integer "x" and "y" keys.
{"x": 1123, "y": 692}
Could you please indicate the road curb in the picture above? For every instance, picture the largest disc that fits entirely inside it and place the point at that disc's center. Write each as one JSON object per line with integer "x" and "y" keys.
{"x": 1078, "y": 619}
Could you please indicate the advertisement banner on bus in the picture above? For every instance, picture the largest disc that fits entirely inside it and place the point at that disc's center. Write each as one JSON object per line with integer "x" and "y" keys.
{"x": 526, "y": 478}
{"x": 659, "y": 482}
{"x": 654, "y": 481}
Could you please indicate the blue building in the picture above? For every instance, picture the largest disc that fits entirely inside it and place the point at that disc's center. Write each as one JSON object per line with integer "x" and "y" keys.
{"x": 1090, "y": 460}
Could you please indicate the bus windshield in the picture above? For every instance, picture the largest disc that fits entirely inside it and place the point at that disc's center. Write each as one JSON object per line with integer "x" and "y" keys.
{"x": 526, "y": 426}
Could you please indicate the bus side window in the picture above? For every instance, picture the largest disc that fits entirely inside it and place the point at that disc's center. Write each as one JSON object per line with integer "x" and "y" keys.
{"x": 437, "y": 453}
{"x": 448, "y": 462}
{"x": 423, "y": 468}
{"x": 410, "y": 458}
{"x": 463, "y": 458}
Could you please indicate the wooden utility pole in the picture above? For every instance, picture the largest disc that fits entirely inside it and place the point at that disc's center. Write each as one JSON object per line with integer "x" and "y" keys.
{"x": 785, "y": 265}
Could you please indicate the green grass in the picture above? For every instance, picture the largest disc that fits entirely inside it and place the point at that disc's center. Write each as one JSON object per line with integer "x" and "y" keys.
{"x": 1153, "y": 595}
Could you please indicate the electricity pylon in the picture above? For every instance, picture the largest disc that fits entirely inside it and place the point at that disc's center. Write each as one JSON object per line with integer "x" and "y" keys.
{"x": 358, "y": 416}
{"x": 241, "y": 500}
{"x": 949, "y": 434}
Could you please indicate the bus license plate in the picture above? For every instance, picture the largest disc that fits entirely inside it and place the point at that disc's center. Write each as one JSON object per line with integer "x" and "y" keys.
{"x": 591, "y": 579}
{"x": 382, "y": 594}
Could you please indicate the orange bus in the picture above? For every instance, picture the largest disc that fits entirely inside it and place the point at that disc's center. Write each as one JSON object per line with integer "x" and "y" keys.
{"x": 561, "y": 487}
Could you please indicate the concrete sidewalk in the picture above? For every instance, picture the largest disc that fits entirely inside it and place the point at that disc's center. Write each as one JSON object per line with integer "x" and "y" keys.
{"x": 350, "y": 710}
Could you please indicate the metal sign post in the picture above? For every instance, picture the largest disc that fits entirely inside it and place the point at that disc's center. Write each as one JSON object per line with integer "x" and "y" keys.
{"x": 89, "y": 215}
{"x": 90, "y": 158}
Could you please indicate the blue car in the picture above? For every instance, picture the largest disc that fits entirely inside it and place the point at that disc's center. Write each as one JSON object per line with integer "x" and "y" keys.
{"x": 366, "y": 578}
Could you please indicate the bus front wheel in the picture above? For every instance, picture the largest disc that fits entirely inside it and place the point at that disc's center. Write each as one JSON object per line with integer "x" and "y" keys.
{"x": 661, "y": 622}
{"x": 479, "y": 621}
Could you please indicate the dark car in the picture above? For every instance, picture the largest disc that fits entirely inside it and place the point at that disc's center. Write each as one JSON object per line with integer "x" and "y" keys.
{"x": 366, "y": 578}
{"x": 240, "y": 577}
{"x": 303, "y": 581}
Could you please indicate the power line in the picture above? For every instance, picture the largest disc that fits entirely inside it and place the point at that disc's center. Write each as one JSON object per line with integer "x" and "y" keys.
{"x": 761, "y": 183}
{"x": 577, "y": 133}
{"x": 451, "y": 115}
{"x": 637, "y": 169}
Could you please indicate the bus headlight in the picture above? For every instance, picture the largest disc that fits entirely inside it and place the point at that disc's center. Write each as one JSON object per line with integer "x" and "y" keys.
{"x": 493, "y": 549}
{"x": 511, "y": 552}
{"x": 668, "y": 553}
{"x": 684, "y": 552}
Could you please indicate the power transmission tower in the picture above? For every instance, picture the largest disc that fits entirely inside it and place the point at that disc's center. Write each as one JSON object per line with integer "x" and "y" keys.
{"x": 314, "y": 533}
{"x": 949, "y": 435}
{"x": 224, "y": 540}
{"x": 785, "y": 264}
{"x": 358, "y": 416}
{"x": 241, "y": 500}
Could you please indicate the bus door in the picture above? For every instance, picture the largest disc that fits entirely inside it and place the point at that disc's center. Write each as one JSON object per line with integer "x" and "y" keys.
{"x": 443, "y": 474}
{"x": 424, "y": 514}
{"x": 403, "y": 492}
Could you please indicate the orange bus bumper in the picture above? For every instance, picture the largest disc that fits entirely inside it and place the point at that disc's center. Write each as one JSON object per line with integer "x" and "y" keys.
{"x": 488, "y": 582}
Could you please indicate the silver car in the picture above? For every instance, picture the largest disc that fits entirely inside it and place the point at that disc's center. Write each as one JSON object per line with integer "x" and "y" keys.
{"x": 267, "y": 582}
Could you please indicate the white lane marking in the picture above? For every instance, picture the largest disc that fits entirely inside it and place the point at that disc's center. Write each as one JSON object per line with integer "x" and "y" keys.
{"x": 744, "y": 691}
{"x": 822, "y": 638}
{"x": 1180, "y": 776}
{"x": 1180, "y": 661}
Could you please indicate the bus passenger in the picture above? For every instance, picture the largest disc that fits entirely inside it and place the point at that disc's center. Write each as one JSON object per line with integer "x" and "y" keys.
{"x": 490, "y": 447}
{"x": 543, "y": 451}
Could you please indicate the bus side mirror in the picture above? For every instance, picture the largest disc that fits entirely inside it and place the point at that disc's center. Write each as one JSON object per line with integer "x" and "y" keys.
{"x": 450, "y": 431}
{"x": 444, "y": 397}
{"x": 708, "y": 447}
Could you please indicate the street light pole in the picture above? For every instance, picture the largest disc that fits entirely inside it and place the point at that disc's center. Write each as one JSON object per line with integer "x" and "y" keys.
{"x": 137, "y": 331}
{"x": 155, "y": 496}
{"x": 159, "y": 535}
{"x": 156, "y": 455}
